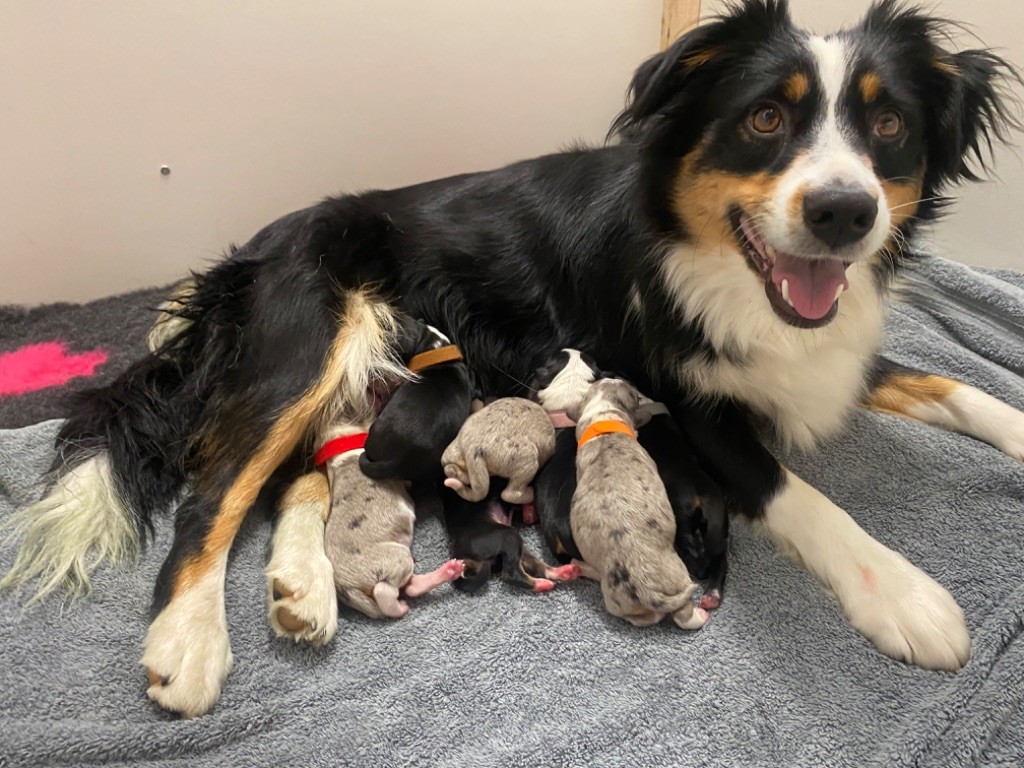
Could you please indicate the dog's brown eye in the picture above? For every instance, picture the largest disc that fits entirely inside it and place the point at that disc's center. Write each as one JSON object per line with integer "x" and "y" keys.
{"x": 889, "y": 124}
{"x": 766, "y": 119}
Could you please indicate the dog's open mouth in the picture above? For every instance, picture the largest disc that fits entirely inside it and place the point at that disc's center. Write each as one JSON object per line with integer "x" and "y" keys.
{"x": 803, "y": 291}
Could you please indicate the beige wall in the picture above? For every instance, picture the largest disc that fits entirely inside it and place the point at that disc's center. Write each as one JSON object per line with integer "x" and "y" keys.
{"x": 263, "y": 106}
{"x": 986, "y": 226}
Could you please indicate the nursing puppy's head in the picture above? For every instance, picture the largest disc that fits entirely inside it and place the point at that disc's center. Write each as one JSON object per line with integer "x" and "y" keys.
{"x": 795, "y": 156}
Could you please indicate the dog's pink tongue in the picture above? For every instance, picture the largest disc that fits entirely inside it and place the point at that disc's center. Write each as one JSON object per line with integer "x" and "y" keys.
{"x": 812, "y": 283}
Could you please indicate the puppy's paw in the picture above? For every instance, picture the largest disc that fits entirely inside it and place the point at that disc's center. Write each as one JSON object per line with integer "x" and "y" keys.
{"x": 187, "y": 656}
{"x": 301, "y": 601}
{"x": 563, "y": 573}
{"x": 452, "y": 570}
{"x": 520, "y": 496}
{"x": 690, "y": 617}
{"x": 542, "y": 585}
{"x": 906, "y": 613}
{"x": 711, "y": 600}
{"x": 530, "y": 514}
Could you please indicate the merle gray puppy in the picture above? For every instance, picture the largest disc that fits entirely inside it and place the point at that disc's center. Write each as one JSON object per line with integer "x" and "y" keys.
{"x": 622, "y": 521}
{"x": 510, "y": 438}
{"x": 368, "y": 539}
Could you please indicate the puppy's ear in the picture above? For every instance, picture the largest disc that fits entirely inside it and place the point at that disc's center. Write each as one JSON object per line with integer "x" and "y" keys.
{"x": 682, "y": 77}
{"x": 976, "y": 108}
{"x": 410, "y": 336}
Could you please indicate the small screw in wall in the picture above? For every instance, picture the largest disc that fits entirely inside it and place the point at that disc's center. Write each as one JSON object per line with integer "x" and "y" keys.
{"x": 165, "y": 170}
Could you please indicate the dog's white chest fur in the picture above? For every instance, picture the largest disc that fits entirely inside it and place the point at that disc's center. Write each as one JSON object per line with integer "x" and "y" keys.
{"x": 804, "y": 380}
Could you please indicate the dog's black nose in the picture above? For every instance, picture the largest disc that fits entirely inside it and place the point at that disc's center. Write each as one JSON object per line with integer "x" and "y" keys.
{"x": 839, "y": 215}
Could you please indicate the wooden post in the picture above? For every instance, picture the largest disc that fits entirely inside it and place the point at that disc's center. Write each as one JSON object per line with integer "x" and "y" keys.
{"x": 677, "y": 16}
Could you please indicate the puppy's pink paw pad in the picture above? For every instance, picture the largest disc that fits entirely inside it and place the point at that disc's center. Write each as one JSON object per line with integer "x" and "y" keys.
{"x": 453, "y": 570}
{"x": 565, "y": 573}
{"x": 709, "y": 601}
{"x": 543, "y": 585}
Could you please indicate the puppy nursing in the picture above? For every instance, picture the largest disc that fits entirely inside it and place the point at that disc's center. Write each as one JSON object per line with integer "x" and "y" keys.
{"x": 510, "y": 438}
{"x": 369, "y": 535}
{"x": 622, "y": 521}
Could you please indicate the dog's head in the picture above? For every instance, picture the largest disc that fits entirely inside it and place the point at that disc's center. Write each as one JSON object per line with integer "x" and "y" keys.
{"x": 614, "y": 399}
{"x": 561, "y": 383}
{"x": 795, "y": 156}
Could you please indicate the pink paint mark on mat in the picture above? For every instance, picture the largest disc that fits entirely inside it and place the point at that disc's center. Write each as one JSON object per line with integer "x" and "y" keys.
{"x": 49, "y": 364}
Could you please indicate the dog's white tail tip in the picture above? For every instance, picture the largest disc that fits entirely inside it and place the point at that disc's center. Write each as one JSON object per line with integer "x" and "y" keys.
{"x": 79, "y": 524}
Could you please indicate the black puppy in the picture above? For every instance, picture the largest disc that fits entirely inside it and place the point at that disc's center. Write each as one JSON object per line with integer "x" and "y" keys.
{"x": 559, "y": 385}
{"x": 483, "y": 539}
{"x": 702, "y": 520}
{"x": 422, "y": 416}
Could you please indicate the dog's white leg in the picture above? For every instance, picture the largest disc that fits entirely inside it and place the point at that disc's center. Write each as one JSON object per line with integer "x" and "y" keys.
{"x": 187, "y": 654}
{"x": 902, "y": 610}
{"x": 951, "y": 405}
{"x": 301, "y": 601}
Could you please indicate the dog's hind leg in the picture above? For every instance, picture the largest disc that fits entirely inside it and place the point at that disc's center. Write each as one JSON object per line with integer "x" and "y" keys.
{"x": 946, "y": 403}
{"x": 187, "y": 655}
{"x": 421, "y": 583}
{"x": 301, "y": 602}
{"x": 386, "y": 595}
{"x": 516, "y": 564}
{"x": 536, "y": 567}
{"x": 518, "y": 490}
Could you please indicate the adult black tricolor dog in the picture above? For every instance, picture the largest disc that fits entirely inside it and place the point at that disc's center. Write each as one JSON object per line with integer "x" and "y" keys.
{"x": 732, "y": 251}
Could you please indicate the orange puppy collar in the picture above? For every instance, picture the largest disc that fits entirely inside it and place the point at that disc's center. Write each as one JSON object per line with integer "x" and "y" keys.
{"x": 446, "y": 354}
{"x": 599, "y": 428}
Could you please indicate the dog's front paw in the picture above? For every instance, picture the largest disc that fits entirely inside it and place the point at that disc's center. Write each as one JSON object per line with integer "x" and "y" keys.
{"x": 906, "y": 613}
{"x": 187, "y": 657}
{"x": 301, "y": 600}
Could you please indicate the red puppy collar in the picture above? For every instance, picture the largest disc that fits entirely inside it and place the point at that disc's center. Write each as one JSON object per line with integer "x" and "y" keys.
{"x": 340, "y": 445}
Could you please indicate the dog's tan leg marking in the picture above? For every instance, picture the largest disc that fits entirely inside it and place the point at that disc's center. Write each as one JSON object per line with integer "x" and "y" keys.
{"x": 951, "y": 405}
{"x": 301, "y": 601}
{"x": 187, "y": 643}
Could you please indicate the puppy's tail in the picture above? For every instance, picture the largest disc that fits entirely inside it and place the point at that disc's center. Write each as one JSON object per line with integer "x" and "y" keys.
{"x": 120, "y": 457}
{"x": 479, "y": 479}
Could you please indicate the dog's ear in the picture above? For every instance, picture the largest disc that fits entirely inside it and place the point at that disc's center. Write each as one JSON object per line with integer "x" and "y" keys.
{"x": 976, "y": 108}
{"x": 680, "y": 78}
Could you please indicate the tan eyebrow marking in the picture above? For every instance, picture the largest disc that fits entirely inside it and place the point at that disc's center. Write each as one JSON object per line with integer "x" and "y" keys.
{"x": 796, "y": 86}
{"x": 870, "y": 86}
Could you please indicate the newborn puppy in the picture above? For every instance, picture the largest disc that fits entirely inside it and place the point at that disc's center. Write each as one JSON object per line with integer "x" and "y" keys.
{"x": 702, "y": 521}
{"x": 621, "y": 518}
{"x": 483, "y": 540}
{"x": 369, "y": 532}
{"x": 560, "y": 385}
{"x": 424, "y": 415}
{"x": 510, "y": 438}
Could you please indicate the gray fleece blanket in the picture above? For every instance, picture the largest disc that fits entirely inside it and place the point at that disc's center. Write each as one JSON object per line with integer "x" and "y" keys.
{"x": 777, "y": 677}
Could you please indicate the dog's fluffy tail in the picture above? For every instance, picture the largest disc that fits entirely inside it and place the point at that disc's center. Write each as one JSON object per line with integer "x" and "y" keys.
{"x": 119, "y": 459}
